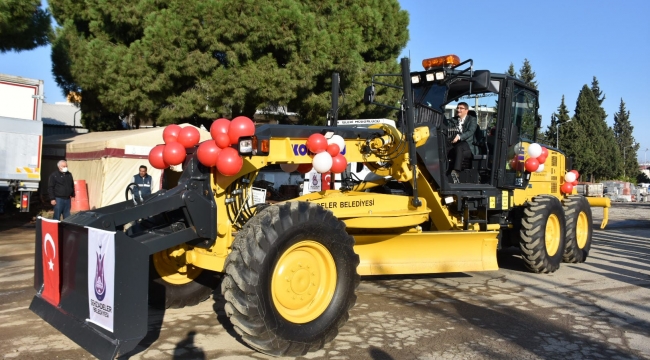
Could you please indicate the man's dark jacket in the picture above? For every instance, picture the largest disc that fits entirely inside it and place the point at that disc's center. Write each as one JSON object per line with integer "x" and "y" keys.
{"x": 144, "y": 184}
{"x": 469, "y": 131}
{"x": 60, "y": 185}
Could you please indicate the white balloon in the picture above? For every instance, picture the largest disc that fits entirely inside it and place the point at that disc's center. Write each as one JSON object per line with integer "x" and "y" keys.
{"x": 322, "y": 162}
{"x": 570, "y": 177}
{"x": 289, "y": 167}
{"x": 338, "y": 140}
{"x": 540, "y": 168}
{"x": 534, "y": 150}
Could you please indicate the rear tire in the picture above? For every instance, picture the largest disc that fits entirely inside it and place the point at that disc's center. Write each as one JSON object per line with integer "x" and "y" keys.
{"x": 290, "y": 279}
{"x": 174, "y": 284}
{"x": 577, "y": 212}
{"x": 542, "y": 233}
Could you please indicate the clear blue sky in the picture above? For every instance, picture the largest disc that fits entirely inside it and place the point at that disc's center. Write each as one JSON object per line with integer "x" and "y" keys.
{"x": 567, "y": 43}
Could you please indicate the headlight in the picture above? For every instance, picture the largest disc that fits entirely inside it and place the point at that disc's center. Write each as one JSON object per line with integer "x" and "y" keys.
{"x": 246, "y": 146}
{"x": 430, "y": 77}
{"x": 440, "y": 75}
{"x": 415, "y": 79}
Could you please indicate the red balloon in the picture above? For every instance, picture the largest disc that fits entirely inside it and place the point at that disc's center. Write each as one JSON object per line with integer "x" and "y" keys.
{"x": 219, "y": 126}
{"x": 239, "y": 127}
{"x": 174, "y": 153}
{"x": 531, "y": 164}
{"x": 170, "y": 134}
{"x": 222, "y": 140}
{"x": 515, "y": 164}
{"x": 577, "y": 174}
{"x": 156, "y": 157}
{"x": 317, "y": 143}
{"x": 305, "y": 168}
{"x": 333, "y": 149}
{"x": 229, "y": 162}
{"x": 208, "y": 152}
{"x": 339, "y": 163}
{"x": 566, "y": 188}
{"x": 575, "y": 183}
{"x": 543, "y": 156}
{"x": 189, "y": 137}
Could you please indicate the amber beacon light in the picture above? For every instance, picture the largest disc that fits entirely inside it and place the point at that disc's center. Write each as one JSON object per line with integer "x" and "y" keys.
{"x": 440, "y": 61}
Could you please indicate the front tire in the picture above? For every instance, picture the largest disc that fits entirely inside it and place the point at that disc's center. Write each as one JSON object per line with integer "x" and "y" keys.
{"x": 578, "y": 229}
{"x": 543, "y": 234}
{"x": 290, "y": 279}
{"x": 175, "y": 284}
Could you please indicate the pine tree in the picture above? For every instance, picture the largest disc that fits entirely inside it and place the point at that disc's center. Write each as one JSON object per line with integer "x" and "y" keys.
{"x": 527, "y": 75}
{"x": 511, "y": 71}
{"x": 589, "y": 140}
{"x": 24, "y": 25}
{"x": 561, "y": 118}
{"x": 595, "y": 88}
{"x": 193, "y": 60}
{"x": 625, "y": 142}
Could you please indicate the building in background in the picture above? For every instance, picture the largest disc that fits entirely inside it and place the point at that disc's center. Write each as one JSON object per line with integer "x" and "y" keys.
{"x": 61, "y": 118}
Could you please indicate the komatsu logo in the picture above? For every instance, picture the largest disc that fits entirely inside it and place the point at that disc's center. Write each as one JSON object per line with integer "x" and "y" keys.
{"x": 301, "y": 150}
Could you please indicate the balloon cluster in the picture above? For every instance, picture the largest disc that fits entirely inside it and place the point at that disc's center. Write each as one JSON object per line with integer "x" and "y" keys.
{"x": 570, "y": 181}
{"x": 537, "y": 155}
{"x": 177, "y": 139}
{"x": 217, "y": 152}
{"x": 327, "y": 153}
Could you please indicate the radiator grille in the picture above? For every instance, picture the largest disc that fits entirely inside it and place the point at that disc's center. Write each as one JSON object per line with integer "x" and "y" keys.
{"x": 553, "y": 160}
{"x": 554, "y": 188}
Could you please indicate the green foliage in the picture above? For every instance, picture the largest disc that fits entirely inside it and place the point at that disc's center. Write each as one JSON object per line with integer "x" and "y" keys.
{"x": 642, "y": 178}
{"x": 589, "y": 140}
{"x": 527, "y": 75}
{"x": 24, "y": 25}
{"x": 511, "y": 71}
{"x": 625, "y": 142}
{"x": 595, "y": 88}
{"x": 561, "y": 117}
{"x": 193, "y": 60}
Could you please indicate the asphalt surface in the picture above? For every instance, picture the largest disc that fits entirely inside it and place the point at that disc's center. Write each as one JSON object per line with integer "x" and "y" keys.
{"x": 596, "y": 310}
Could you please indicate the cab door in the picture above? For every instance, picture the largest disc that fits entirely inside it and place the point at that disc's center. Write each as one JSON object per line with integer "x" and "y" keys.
{"x": 520, "y": 105}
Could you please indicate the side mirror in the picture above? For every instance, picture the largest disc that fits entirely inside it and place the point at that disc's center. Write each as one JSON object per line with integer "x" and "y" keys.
{"x": 481, "y": 80}
{"x": 369, "y": 95}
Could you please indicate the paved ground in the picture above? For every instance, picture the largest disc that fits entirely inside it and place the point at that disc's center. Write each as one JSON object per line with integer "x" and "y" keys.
{"x": 596, "y": 310}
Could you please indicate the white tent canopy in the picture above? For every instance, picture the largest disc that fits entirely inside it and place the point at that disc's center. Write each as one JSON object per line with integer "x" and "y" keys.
{"x": 108, "y": 160}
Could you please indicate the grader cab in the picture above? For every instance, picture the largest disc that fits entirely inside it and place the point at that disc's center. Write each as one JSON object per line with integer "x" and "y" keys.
{"x": 289, "y": 270}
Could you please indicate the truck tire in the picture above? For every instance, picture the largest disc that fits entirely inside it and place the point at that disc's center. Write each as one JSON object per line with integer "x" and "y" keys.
{"x": 543, "y": 234}
{"x": 176, "y": 285}
{"x": 290, "y": 279}
{"x": 577, "y": 212}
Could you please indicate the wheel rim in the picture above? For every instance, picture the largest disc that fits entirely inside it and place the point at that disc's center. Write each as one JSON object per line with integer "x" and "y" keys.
{"x": 172, "y": 266}
{"x": 582, "y": 230}
{"x": 552, "y": 235}
{"x": 303, "y": 283}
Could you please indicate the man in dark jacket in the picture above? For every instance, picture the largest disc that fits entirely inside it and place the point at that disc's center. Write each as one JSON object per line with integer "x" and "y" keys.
{"x": 143, "y": 181}
{"x": 461, "y": 144}
{"x": 60, "y": 187}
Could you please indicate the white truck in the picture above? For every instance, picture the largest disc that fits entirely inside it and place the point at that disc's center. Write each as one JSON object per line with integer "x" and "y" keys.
{"x": 21, "y": 135}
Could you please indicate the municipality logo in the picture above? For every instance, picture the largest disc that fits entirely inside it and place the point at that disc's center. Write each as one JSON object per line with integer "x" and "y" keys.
{"x": 100, "y": 282}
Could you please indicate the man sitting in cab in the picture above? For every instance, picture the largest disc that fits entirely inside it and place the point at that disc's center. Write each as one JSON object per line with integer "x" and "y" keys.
{"x": 464, "y": 127}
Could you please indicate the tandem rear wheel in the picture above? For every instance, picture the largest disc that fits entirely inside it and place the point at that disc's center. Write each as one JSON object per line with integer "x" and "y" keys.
{"x": 577, "y": 212}
{"x": 290, "y": 279}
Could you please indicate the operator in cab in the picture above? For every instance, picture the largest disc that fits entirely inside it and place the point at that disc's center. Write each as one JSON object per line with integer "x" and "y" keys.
{"x": 461, "y": 128}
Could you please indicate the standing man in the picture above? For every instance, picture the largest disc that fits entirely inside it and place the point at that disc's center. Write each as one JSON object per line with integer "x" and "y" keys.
{"x": 463, "y": 142}
{"x": 60, "y": 188}
{"x": 143, "y": 180}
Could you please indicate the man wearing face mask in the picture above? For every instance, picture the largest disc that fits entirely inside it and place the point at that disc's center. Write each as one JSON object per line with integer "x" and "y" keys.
{"x": 61, "y": 188}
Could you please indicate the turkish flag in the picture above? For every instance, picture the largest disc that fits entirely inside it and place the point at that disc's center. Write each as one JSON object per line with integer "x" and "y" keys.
{"x": 51, "y": 264}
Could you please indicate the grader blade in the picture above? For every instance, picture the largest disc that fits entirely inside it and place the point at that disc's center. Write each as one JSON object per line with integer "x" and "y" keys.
{"x": 64, "y": 301}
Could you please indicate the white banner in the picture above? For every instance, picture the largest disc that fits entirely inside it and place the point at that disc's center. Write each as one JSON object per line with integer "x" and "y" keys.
{"x": 101, "y": 277}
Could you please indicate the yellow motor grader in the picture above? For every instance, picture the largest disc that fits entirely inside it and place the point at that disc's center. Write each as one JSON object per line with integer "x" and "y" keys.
{"x": 289, "y": 270}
